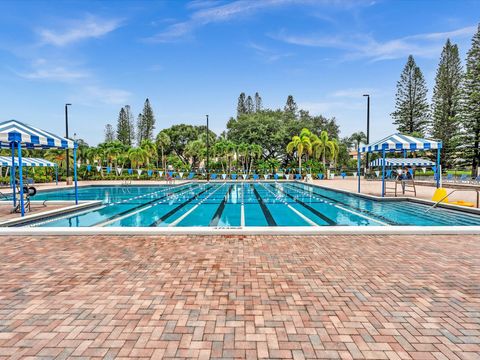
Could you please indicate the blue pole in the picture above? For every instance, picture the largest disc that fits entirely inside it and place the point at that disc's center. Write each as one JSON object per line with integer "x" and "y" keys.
{"x": 383, "y": 172}
{"x": 358, "y": 168}
{"x": 12, "y": 176}
{"x": 20, "y": 175}
{"x": 75, "y": 172}
{"x": 439, "y": 171}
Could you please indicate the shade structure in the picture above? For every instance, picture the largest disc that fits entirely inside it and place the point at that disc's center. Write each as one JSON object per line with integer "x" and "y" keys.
{"x": 26, "y": 161}
{"x": 402, "y": 162}
{"x": 399, "y": 142}
{"x": 16, "y": 135}
{"x": 30, "y": 137}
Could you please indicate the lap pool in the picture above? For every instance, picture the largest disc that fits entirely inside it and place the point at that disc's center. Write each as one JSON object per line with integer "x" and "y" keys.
{"x": 240, "y": 204}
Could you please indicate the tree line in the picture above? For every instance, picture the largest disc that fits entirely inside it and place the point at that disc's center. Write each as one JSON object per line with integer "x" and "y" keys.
{"x": 453, "y": 115}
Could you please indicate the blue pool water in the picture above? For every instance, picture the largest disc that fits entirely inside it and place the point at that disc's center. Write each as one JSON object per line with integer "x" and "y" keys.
{"x": 231, "y": 204}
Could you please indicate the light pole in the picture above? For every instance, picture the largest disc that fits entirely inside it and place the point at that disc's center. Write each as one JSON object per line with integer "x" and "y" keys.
{"x": 368, "y": 125}
{"x": 208, "y": 148}
{"x": 66, "y": 135}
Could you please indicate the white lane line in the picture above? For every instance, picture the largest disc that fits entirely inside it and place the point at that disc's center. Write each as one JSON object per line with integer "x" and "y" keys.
{"x": 108, "y": 222}
{"x": 311, "y": 222}
{"x": 174, "y": 223}
{"x": 341, "y": 207}
{"x": 242, "y": 208}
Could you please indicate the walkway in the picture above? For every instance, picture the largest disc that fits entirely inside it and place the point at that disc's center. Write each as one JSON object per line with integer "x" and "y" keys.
{"x": 361, "y": 297}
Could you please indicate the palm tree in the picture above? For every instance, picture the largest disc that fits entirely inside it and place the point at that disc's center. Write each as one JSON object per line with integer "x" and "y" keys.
{"x": 242, "y": 153}
{"x": 220, "y": 150}
{"x": 255, "y": 152}
{"x": 322, "y": 145}
{"x": 163, "y": 141}
{"x": 137, "y": 156}
{"x": 300, "y": 144}
{"x": 195, "y": 150}
{"x": 150, "y": 148}
{"x": 358, "y": 138}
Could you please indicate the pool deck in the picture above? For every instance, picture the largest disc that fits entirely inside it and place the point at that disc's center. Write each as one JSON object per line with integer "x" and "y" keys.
{"x": 327, "y": 297}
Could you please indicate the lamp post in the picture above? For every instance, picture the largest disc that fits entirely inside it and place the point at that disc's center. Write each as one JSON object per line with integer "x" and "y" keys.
{"x": 368, "y": 125}
{"x": 66, "y": 135}
{"x": 208, "y": 149}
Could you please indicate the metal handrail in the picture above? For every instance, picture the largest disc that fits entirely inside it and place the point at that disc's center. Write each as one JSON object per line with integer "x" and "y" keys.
{"x": 450, "y": 193}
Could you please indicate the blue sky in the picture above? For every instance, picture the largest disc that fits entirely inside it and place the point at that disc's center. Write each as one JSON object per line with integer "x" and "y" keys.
{"x": 194, "y": 57}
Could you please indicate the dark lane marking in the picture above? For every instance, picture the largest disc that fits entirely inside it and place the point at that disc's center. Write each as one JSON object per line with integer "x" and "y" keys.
{"x": 266, "y": 212}
{"x": 361, "y": 211}
{"x": 218, "y": 214}
{"x": 141, "y": 206}
{"x": 315, "y": 211}
{"x": 173, "y": 211}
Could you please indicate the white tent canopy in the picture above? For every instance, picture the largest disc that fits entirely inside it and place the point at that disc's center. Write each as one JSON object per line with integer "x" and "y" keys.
{"x": 402, "y": 162}
{"x": 26, "y": 161}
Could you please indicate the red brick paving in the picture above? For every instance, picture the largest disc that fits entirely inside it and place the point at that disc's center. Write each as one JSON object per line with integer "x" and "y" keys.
{"x": 335, "y": 297}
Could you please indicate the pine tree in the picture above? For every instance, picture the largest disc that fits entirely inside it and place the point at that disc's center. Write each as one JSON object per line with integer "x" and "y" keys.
{"x": 145, "y": 123}
{"x": 258, "y": 102}
{"x": 109, "y": 133}
{"x": 470, "y": 115}
{"x": 446, "y": 101}
{"x": 123, "y": 127}
{"x": 241, "y": 106}
{"x": 249, "y": 104}
{"x": 411, "y": 108}
{"x": 131, "y": 124}
{"x": 140, "y": 127}
{"x": 290, "y": 106}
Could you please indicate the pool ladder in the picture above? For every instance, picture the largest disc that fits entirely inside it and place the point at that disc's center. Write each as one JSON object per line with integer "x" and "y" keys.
{"x": 450, "y": 193}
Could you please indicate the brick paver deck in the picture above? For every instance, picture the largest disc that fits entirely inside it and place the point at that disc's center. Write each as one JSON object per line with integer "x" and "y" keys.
{"x": 373, "y": 297}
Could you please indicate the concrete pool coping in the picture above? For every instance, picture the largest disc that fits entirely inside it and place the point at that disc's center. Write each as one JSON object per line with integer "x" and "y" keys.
{"x": 13, "y": 227}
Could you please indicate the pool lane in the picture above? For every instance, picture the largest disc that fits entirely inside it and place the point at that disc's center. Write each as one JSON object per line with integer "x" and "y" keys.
{"x": 119, "y": 205}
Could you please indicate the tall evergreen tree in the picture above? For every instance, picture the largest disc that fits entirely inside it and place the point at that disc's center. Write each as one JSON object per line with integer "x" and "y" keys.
{"x": 140, "y": 127}
{"x": 470, "y": 115}
{"x": 290, "y": 106}
{"x": 258, "y": 102}
{"x": 249, "y": 104}
{"x": 145, "y": 123}
{"x": 131, "y": 124}
{"x": 446, "y": 101}
{"x": 123, "y": 128}
{"x": 241, "y": 106}
{"x": 109, "y": 133}
{"x": 411, "y": 106}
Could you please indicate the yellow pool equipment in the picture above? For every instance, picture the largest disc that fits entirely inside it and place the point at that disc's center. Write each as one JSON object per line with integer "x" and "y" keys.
{"x": 441, "y": 195}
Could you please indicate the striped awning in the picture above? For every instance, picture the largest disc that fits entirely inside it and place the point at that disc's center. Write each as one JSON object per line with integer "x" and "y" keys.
{"x": 402, "y": 162}
{"x": 398, "y": 142}
{"x": 26, "y": 161}
{"x": 30, "y": 137}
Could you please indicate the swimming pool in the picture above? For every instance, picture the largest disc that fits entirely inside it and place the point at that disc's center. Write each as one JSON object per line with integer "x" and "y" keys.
{"x": 240, "y": 204}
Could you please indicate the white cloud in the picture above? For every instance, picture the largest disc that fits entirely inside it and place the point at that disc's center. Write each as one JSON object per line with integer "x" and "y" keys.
{"x": 365, "y": 46}
{"x": 355, "y": 93}
{"x": 206, "y": 12}
{"x": 110, "y": 96}
{"x": 90, "y": 27}
{"x": 267, "y": 54}
{"x": 41, "y": 69}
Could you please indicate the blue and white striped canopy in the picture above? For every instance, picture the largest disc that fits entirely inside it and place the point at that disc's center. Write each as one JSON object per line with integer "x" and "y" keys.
{"x": 399, "y": 142}
{"x": 30, "y": 137}
{"x": 402, "y": 162}
{"x": 34, "y": 162}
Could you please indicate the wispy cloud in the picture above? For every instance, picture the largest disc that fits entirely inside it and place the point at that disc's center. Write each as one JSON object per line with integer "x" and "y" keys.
{"x": 206, "y": 12}
{"x": 94, "y": 94}
{"x": 355, "y": 93}
{"x": 365, "y": 46}
{"x": 89, "y": 27}
{"x": 267, "y": 54}
{"x": 41, "y": 69}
